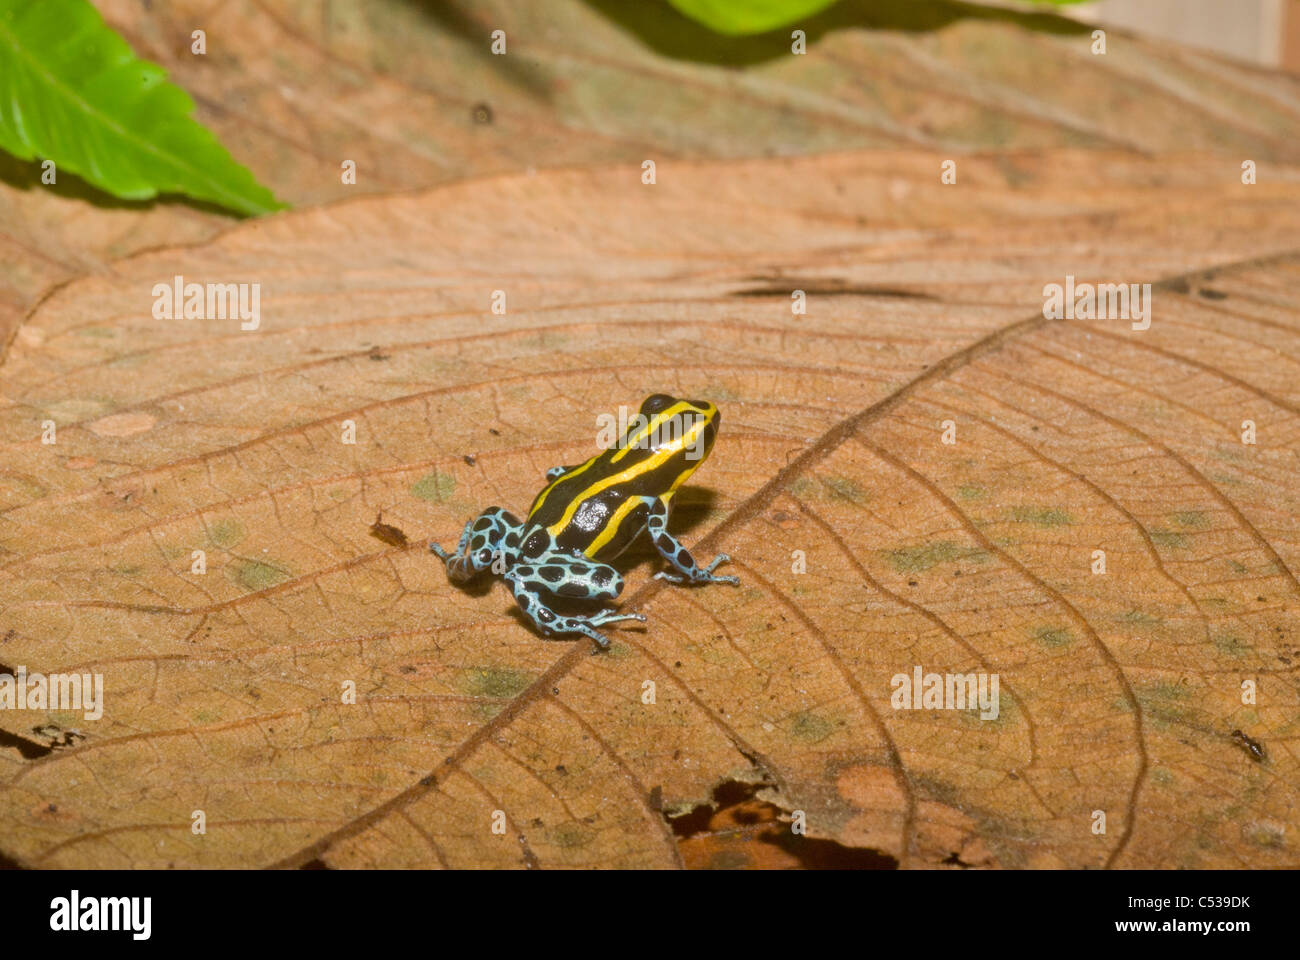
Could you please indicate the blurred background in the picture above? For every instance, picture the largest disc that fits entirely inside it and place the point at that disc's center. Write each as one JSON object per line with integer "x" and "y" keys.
{"x": 409, "y": 91}
{"x": 1266, "y": 32}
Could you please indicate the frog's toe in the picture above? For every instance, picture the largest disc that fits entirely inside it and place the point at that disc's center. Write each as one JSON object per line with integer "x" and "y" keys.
{"x": 578, "y": 626}
{"x": 601, "y": 619}
{"x": 718, "y": 561}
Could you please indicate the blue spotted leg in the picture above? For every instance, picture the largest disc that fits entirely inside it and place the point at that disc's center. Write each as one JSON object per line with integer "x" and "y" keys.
{"x": 567, "y": 576}
{"x": 671, "y": 549}
{"x": 534, "y": 566}
{"x": 480, "y": 543}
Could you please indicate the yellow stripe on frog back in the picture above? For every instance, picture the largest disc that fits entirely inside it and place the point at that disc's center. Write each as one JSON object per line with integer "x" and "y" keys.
{"x": 656, "y": 459}
{"x": 541, "y": 497}
{"x": 634, "y": 440}
{"x": 612, "y": 526}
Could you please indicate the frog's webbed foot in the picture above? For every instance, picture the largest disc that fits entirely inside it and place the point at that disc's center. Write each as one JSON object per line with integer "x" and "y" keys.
{"x": 584, "y": 625}
{"x": 671, "y": 549}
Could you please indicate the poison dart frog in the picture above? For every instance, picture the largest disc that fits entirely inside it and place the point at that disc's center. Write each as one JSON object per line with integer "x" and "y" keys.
{"x": 590, "y": 513}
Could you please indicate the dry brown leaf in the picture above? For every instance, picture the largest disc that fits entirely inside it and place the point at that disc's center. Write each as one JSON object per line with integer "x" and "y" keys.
{"x": 409, "y": 91}
{"x": 1119, "y": 692}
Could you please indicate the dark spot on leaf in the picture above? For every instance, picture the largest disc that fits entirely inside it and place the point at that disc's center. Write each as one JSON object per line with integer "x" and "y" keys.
{"x": 1250, "y": 745}
{"x": 27, "y": 749}
{"x": 386, "y": 533}
{"x": 822, "y": 287}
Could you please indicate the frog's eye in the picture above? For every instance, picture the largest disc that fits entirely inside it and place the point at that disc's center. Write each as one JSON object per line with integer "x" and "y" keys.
{"x": 655, "y": 403}
{"x": 484, "y": 557}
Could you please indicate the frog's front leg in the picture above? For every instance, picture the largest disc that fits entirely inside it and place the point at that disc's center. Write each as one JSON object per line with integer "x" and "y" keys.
{"x": 671, "y": 549}
{"x": 567, "y": 576}
{"x": 483, "y": 540}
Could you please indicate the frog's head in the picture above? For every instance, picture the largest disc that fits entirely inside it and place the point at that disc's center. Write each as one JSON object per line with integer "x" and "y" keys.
{"x": 686, "y": 427}
{"x": 659, "y": 403}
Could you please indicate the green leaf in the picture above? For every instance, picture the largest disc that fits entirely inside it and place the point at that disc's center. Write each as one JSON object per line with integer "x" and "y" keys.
{"x": 740, "y": 17}
{"x": 71, "y": 91}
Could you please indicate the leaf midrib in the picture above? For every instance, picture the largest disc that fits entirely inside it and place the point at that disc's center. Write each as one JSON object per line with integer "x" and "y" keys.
{"x": 825, "y": 444}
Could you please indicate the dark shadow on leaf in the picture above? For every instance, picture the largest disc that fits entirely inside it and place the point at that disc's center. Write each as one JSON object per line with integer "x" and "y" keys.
{"x": 669, "y": 33}
{"x": 759, "y": 822}
{"x": 27, "y": 749}
{"x": 455, "y": 17}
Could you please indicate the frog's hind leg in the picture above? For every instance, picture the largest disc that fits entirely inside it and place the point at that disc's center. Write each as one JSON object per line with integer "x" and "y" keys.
{"x": 481, "y": 542}
{"x": 671, "y": 549}
{"x": 574, "y": 577}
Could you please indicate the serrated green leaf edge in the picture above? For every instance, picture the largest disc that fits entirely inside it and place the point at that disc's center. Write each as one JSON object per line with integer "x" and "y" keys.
{"x": 72, "y": 91}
